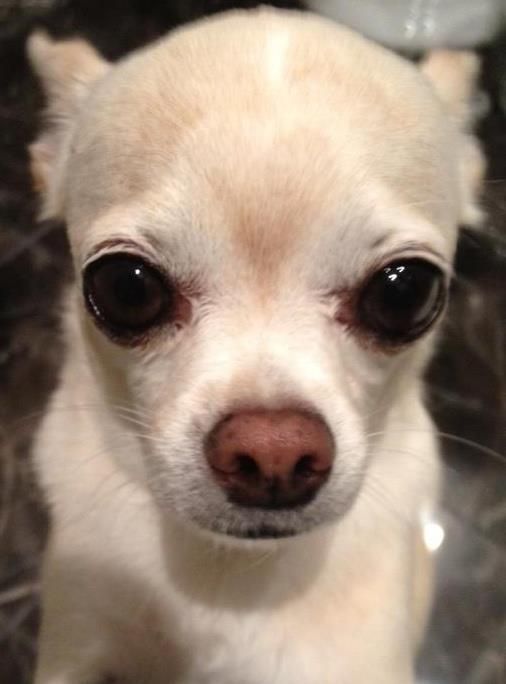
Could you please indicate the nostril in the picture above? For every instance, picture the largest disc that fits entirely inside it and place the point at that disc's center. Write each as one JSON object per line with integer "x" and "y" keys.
{"x": 247, "y": 467}
{"x": 270, "y": 459}
{"x": 305, "y": 466}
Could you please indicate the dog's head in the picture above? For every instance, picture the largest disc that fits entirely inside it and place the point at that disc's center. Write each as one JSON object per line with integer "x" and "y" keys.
{"x": 262, "y": 210}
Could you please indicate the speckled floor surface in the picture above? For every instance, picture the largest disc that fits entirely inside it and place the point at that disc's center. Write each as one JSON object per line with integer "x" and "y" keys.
{"x": 466, "y": 384}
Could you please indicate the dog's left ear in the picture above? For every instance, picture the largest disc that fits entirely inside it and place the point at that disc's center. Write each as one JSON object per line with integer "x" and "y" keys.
{"x": 454, "y": 74}
{"x": 67, "y": 70}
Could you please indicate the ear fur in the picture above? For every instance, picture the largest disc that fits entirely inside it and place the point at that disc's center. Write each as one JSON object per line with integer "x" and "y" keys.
{"x": 453, "y": 75}
{"x": 67, "y": 69}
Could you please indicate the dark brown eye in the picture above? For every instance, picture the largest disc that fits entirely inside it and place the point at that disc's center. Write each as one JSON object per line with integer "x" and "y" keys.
{"x": 126, "y": 295}
{"x": 401, "y": 300}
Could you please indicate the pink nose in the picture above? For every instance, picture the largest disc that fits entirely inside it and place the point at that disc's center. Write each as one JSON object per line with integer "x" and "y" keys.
{"x": 270, "y": 459}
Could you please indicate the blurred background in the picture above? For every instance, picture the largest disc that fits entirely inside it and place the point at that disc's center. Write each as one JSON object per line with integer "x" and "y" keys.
{"x": 466, "y": 383}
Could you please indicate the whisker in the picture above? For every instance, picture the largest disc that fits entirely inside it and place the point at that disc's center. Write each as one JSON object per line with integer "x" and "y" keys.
{"x": 375, "y": 490}
{"x": 91, "y": 406}
{"x": 488, "y": 451}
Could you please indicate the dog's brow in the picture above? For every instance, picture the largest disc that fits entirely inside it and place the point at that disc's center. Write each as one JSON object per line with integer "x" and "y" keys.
{"x": 379, "y": 241}
{"x": 116, "y": 245}
{"x": 112, "y": 243}
{"x": 408, "y": 246}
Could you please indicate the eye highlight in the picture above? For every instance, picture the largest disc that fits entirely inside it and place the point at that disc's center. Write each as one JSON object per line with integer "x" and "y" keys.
{"x": 401, "y": 300}
{"x": 127, "y": 296}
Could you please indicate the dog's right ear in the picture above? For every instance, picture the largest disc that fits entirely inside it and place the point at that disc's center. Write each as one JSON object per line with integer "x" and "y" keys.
{"x": 67, "y": 70}
{"x": 453, "y": 75}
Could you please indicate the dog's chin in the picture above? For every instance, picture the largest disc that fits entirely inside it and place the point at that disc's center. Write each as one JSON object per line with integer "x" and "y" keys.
{"x": 255, "y": 538}
{"x": 253, "y": 534}
{"x": 263, "y": 532}
{"x": 256, "y": 535}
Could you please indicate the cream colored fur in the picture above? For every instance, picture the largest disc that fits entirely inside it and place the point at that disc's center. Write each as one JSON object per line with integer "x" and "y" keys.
{"x": 272, "y": 158}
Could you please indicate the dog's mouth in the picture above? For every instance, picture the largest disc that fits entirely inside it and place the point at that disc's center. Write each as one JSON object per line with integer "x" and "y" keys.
{"x": 263, "y": 532}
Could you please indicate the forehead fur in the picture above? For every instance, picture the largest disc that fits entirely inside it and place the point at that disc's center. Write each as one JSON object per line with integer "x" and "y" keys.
{"x": 270, "y": 114}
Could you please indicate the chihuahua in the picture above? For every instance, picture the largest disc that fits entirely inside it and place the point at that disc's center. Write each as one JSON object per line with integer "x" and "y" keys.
{"x": 262, "y": 210}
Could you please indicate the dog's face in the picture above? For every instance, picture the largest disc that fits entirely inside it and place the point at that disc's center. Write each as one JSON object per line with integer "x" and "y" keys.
{"x": 262, "y": 211}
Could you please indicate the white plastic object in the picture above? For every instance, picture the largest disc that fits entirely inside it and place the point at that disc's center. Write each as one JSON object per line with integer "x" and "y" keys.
{"x": 415, "y": 25}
